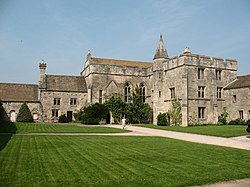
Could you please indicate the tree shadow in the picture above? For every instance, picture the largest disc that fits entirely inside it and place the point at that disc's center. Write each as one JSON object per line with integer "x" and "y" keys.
{"x": 7, "y": 129}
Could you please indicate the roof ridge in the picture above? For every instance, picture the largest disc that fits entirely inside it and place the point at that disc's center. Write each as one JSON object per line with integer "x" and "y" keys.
{"x": 29, "y": 84}
{"x": 120, "y": 60}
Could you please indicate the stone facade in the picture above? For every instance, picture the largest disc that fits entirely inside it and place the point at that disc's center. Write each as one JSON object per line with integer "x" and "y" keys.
{"x": 204, "y": 85}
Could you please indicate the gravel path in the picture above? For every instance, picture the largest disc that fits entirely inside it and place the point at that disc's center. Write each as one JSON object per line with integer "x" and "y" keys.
{"x": 238, "y": 142}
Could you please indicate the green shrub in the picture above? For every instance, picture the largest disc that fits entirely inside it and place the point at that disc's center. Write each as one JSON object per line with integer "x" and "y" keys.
{"x": 237, "y": 122}
{"x": 63, "y": 119}
{"x": 3, "y": 114}
{"x": 223, "y": 117}
{"x": 219, "y": 123}
{"x": 93, "y": 114}
{"x": 162, "y": 119}
{"x": 24, "y": 114}
{"x": 248, "y": 127}
{"x": 222, "y": 120}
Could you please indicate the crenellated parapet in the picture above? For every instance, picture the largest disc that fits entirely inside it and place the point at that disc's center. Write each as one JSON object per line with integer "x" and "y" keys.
{"x": 190, "y": 59}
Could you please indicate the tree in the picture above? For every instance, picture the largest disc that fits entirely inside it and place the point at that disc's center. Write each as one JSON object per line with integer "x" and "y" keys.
{"x": 24, "y": 114}
{"x": 175, "y": 112}
{"x": 3, "y": 114}
{"x": 93, "y": 114}
{"x": 117, "y": 106}
{"x": 223, "y": 117}
{"x": 138, "y": 111}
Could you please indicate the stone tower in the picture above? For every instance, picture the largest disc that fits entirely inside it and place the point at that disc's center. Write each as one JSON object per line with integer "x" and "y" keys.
{"x": 160, "y": 57}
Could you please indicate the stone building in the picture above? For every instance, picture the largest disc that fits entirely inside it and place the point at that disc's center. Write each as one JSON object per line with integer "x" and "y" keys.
{"x": 204, "y": 85}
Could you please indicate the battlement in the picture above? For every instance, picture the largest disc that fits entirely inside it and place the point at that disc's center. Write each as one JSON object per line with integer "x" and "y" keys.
{"x": 200, "y": 60}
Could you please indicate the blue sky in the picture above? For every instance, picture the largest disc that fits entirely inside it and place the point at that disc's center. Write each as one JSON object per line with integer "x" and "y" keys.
{"x": 62, "y": 31}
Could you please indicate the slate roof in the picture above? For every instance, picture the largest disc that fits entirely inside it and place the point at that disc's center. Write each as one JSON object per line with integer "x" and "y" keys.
{"x": 161, "y": 51}
{"x": 65, "y": 83}
{"x": 240, "y": 82}
{"x": 18, "y": 92}
{"x": 125, "y": 63}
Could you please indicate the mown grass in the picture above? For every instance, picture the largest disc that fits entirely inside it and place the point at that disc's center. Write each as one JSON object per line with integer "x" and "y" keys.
{"x": 54, "y": 128}
{"x": 117, "y": 161}
{"x": 212, "y": 130}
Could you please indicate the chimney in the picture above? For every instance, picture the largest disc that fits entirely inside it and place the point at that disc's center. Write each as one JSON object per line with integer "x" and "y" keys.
{"x": 42, "y": 67}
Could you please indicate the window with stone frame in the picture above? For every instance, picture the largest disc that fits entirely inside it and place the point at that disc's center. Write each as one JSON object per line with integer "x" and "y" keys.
{"x": 201, "y": 73}
{"x": 142, "y": 92}
{"x": 72, "y": 101}
{"x": 127, "y": 93}
{"x": 219, "y": 91}
{"x": 159, "y": 93}
{"x": 218, "y": 75}
{"x": 241, "y": 114}
{"x": 234, "y": 99}
{"x": 57, "y": 101}
{"x": 55, "y": 112}
{"x": 100, "y": 96}
{"x": 201, "y": 112}
{"x": 201, "y": 91}
{"x": 172, "y": 92}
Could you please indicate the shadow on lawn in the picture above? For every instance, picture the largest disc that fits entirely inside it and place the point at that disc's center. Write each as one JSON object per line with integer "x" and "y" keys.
{"x": 7, "y": 129}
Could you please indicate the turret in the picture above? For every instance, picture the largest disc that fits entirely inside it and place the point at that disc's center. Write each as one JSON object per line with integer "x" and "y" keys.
{"x": 161, "y": 55}
{"x": 42, "y": 67}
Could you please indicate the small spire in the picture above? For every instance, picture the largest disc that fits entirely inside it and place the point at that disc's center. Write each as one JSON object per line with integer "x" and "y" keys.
{"x": 88, "y": 56}
{"x": 161, "y": 51}
{"x": 187, "y": 50}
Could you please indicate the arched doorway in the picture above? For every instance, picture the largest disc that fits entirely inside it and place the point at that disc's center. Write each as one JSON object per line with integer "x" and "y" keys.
{"x": 12, "y": 116}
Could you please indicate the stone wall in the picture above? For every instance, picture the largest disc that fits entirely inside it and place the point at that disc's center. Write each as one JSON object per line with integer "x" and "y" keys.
{"x": 47, "y": 101}
{"x": 12, "y": 109}
{"x": 240, "y": 103}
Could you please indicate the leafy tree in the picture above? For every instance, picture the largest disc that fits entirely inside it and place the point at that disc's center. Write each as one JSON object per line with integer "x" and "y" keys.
{"x": 175, "y": 112}
{"x": 24, "y": 114}
{"x": 93, "y": 114}
{"x": 138, "y": 111}
{"x": 162, "y": 119}
{"x": 63, "y": 119}
{"x": 3, "y": 114}
{"x": 223, "y": 117}
{"x": 117, "y": 106}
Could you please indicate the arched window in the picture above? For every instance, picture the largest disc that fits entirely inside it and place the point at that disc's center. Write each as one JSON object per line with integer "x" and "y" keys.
{"x": 142, "y": 92}
{"x": 127, "y": 93}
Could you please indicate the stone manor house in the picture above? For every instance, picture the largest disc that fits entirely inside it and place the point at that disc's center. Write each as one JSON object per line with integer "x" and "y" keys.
{"x": 204, "y": 85}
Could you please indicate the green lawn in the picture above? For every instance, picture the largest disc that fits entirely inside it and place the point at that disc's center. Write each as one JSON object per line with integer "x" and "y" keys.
{"x": 212, "y": 130}
{"x": 116, "y": 161}
{"x": 55, "y": 128}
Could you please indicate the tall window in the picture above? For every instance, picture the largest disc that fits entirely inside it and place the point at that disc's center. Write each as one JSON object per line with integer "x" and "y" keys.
{"x": 201, "y": 90}
{"x": 219, "y": 92}
{"x": 142, "y": 92}
{"x": 234, "y": 99}
{"x": 72, "y": 101}
{"x": 172, "y": 91}
{"x": 218, "y": 75}
{"x": 100, "y": 96}
{"x": 54, "y": 112}
{"x": 241, "y": 114}
{"x": 127, "y": 93}
{"x": 201, "y": 112}
{"x": 200, "y": 73}
{"x": 57, "y": 101}
{"x": 159, "y": 93}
